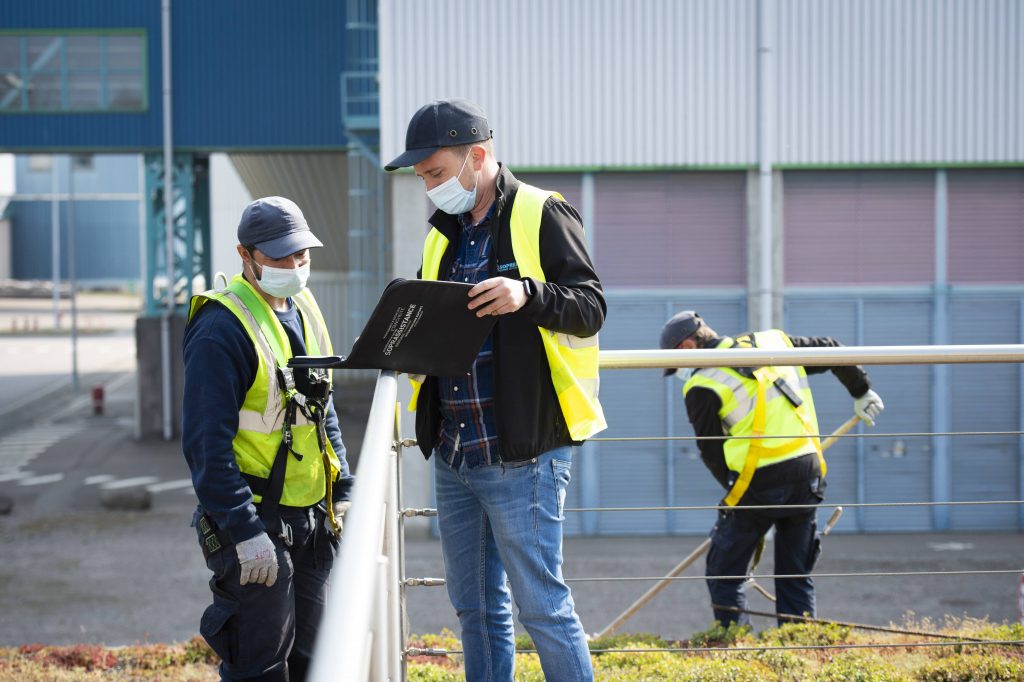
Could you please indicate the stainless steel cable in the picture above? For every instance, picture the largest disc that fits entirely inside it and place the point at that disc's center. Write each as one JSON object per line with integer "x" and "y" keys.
{"x": 866, "y": 574}
{"x": 412, "y": 651}
{"x": 706, "y": 507}
{"x": 906, "y": 434}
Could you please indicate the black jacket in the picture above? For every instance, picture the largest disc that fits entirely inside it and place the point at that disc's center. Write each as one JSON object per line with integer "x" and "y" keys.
{"x": 529, "y": 418}
{"x": 703, "y": 404}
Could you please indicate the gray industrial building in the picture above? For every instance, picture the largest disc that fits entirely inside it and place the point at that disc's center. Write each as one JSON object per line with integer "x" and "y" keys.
{"x": 852, "y": 169}
{"x": 892, "y": 135}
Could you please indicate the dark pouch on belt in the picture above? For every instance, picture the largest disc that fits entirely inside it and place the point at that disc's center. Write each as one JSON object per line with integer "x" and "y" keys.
{"x": 210, "y": 538}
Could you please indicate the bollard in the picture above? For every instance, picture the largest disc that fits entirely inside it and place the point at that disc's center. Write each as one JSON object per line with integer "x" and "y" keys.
{"x": 97, "y": 399}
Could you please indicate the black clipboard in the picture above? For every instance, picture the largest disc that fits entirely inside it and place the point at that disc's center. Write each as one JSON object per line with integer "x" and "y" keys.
{"x": 418, "y": 327}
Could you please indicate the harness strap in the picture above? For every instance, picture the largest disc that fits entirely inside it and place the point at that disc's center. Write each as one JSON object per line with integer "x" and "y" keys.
{"x": 270, "y": 509}
{"x": 765, "y": 378}
{"x": 319, "y": 417}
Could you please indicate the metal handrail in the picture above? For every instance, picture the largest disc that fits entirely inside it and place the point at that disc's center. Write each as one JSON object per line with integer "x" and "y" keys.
{"x": 844, "y": 355}
{"x": 362, "y": 635}
{"x": 357, "y": 639}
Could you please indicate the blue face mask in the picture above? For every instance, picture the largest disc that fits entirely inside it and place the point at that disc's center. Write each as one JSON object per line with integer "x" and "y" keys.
{"x": 451, "y": 197}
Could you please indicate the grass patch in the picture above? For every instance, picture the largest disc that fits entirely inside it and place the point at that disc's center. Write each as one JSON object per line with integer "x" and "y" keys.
{"x": 739, "y": 656}
{"x": 192, "y": 661}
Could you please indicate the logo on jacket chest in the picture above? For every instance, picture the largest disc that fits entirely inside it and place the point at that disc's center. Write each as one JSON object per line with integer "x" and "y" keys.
{"x": 505, "y": 267}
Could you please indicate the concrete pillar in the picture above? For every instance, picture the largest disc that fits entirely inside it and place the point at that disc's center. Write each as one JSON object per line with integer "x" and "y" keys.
{"x": 150, "y": 376}
{"x": 5, "y": 249}
{"x": 409, "y": 210}
{"x": 753, "y": 250}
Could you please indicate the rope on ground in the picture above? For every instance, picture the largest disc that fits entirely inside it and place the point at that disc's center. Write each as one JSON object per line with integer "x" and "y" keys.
{"x": 858, "y": 626}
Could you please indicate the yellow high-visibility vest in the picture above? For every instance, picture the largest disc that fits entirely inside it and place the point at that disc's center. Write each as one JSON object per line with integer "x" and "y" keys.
{"x": 573, "y": 360}
{"x": 756, "y": 407}
{"x": 261, "y": 417}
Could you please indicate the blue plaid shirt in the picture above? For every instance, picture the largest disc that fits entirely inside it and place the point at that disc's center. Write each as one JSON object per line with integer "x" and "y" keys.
{"x": 467, "y": 403}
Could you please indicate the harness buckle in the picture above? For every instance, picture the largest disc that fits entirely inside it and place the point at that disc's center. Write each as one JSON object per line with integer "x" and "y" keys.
{"x": 286, "y": 533}
{"x": 287, "y": 377}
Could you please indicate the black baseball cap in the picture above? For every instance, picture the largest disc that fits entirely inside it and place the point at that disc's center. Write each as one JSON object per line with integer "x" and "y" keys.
{"x": 275, "y": 226}
{"x": 679, "y": 327}
{"x": 442, "y": 123}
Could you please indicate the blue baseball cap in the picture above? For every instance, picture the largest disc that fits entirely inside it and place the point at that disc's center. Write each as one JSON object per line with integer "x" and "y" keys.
{"x": 275, "y": 226}
{"x": 442, "y": 123}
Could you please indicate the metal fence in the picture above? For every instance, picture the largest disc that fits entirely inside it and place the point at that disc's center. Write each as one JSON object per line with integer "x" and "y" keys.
{"x": 364, "y": 633}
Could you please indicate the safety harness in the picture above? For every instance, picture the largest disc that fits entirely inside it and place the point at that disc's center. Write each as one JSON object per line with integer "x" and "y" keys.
{"x": 767, "y": 377}
{"x": 307, "y": 391}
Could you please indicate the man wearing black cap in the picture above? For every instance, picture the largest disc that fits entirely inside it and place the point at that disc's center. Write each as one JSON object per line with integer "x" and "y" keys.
{"x": 786, "y": 469}
{"x": 503, "y": 435}
{"x": 268, "y": 467}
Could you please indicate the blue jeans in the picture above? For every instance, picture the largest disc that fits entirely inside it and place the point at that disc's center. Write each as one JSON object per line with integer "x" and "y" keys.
{"x": 505, "y": 521}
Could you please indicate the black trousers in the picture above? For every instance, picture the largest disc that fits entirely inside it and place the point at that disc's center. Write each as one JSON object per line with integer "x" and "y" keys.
{"x": 797, "y": 545}
{"x": 267, "y": 633}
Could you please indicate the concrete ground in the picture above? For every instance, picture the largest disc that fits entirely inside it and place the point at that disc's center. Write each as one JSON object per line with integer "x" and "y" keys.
{"x": 72, "y": 571}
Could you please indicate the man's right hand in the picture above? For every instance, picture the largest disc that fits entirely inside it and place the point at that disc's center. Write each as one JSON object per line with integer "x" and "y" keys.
{"x": 868, "y": 407}
{"x": 258, "y": 560}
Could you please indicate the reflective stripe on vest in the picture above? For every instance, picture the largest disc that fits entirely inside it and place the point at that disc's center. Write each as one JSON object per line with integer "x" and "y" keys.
{"x": 572, "y": 360}
{"x": 261, "y": 416}
{"x": 755, "y": 407}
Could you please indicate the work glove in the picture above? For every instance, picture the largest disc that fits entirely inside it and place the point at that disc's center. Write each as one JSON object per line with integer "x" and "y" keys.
{"x": 339, "y": 514}
{"x": 258, "y": 560}
{"x": 868, "y": 407}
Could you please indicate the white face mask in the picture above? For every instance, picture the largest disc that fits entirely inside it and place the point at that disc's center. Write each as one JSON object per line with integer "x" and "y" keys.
{"x": 283, "y": 282}
{"x": 451, "y": 197}
{"x": 684, "y": 374}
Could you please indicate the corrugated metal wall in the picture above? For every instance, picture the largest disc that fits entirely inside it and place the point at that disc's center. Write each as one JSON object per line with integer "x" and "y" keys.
{"x": 95, "y": 130}
{"x": 860, "y": 251}
{"x": 246, "y": 76}
{"x": 986, "y": 226}
{"x": 257, "y": 75}
{"x": 654, "y": 83}
{"x": 671, "y": 229}
{"x": 859, "y": 227}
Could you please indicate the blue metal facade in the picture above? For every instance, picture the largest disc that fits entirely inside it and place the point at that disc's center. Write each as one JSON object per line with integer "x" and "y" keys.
{"x": 256, "y": 75}
{"x": 107, "y": 230}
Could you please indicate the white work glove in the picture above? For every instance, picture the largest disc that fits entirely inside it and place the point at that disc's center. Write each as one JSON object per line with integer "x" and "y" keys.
{"x": 868, "y": 407}
{"x": 258, "y": 560}
{"x": 339, "y": 514}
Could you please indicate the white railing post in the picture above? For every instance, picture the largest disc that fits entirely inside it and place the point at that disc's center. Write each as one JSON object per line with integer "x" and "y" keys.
{"x": 394, "y": 552}
{"x": 355, "y": 622}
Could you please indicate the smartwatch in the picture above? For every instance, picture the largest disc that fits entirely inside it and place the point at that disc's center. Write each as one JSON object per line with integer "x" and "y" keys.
{"x": 528, "y": 288}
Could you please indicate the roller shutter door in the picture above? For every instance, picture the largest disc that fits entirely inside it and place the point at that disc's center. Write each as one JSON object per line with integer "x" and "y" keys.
{"x": 661, "y": 231}
{"x": 859, "y": 227}
{"x": 985, "y": 398}
{"x": 986, "y": 246}
{"x": 641, "y": 403}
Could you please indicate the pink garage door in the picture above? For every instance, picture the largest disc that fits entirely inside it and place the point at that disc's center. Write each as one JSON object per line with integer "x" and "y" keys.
{"x": 670, "y": 229}
{"x": 859, "y": 227}
{"x": 986, "y": 226}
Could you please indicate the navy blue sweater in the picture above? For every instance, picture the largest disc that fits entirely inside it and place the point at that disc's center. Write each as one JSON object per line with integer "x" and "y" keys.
{"x": 220, "y": 366}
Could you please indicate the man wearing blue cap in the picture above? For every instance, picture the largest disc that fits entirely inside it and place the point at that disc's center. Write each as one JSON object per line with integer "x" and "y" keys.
{"x": 268, "y": 464}
{"x": 785, "y": 471}
{"x": 502, "y": 436}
